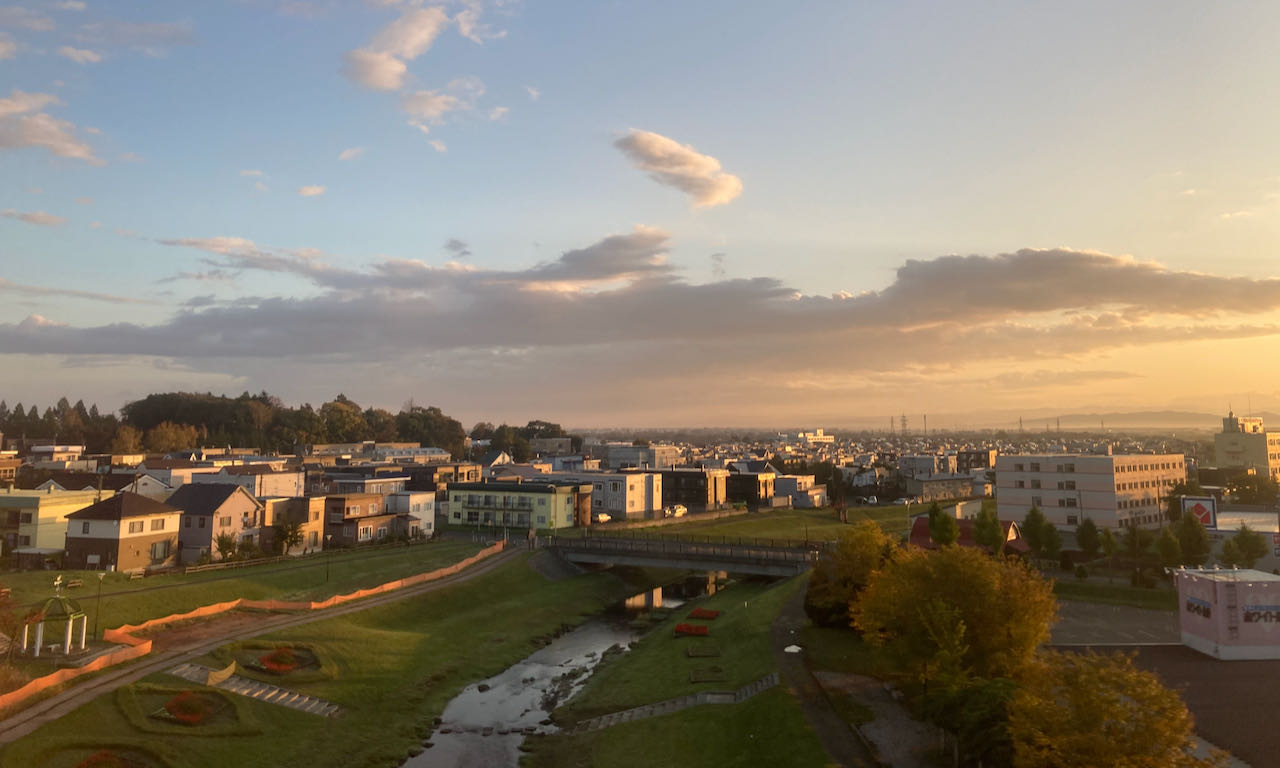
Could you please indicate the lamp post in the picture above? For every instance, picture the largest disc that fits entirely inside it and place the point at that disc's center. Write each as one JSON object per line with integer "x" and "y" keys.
{"x": 328, "y": 558}
{"x": 97, "y": 610}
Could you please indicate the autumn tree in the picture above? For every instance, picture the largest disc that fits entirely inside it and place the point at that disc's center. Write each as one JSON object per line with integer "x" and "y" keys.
{"x": 1005, "y": 608}
{"x": 168, "y": 436}
{"x": 126, "y": 440}
{"x": 1077, "y": 709}
{"x": 843, "y": 573}
{"x": 288, "y": 535}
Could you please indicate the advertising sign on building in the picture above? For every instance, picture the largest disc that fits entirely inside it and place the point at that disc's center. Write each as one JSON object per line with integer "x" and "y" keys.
{"x": 1205, "y": 508}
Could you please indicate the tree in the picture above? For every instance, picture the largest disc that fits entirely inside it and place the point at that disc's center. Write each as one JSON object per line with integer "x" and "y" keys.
{"x": 382, "y": 425}
{"x": 1050, "y": 541}
{"x": 1168, "y": 548}
{"x": 1173, "y": 510}
{"x": 843, "y": 573}
{"x": 1136, "y": 541}
{"x": 944, "y": 531}
{"x": 1193, "y": 540}
{"x": 344, "y": 421}
{"x": 168, "y": 436}
{"x": 126, "y": 440}
{"x": 1005, "y": 606}
{"x": 987, "y": 530}
{"x": 1087, "y": 538}
{"x": 1244, "y": 549}
{"x": 1089, "y": 709}
{"x": 430, "y": 426}
{"x": 225, "y": 544}
{"x": 1253, "y": 489}
{"x": 1032, "y": 530}
{"x": 288, "y": 535}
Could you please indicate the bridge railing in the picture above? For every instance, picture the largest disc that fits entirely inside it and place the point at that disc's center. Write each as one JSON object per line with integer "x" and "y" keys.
{"x": 728, "y": 550}
{"x": 594, "y": 533}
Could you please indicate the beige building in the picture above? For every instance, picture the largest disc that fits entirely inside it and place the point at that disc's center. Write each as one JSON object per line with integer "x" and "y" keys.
{"x": 1243, "y": 443}
{"x": 126, "y": 532}
{"x": 34, "y": 523}
{"x": 1113, "y": 491}
{"x": 621, "y": 495}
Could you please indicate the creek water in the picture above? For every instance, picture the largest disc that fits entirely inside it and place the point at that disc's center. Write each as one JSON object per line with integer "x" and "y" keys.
{"x": 484, "y": 725}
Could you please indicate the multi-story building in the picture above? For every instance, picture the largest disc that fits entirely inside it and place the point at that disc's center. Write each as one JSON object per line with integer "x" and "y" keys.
{"x": 126, "y": 532}
{"x": 1114, "y": 491}
{"x": 643, "y": 456}
{"x": 415, "y": 512}
{"x": 260, "y": 480}
{"x": 802, "y": 490}
{"x": 306, "y": 511}
{"x": 621, "y": 495}
{"x": 817, "y": 437}
{"x": 975, "y": 459}
{"x": 918, "y": 467}
{"x": 34, "y": 523}
{"x": 355, "y": 518}
{"x": 537, "y": 504}
{"x": 696, "y": 488}
{"x": 751, "y": 488}
{"x": 1243, "y": 443}
{"x": 214, "y": 510}
{"x": 353, "y": 483}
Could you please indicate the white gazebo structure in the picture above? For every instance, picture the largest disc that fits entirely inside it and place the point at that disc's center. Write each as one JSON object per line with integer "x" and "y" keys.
{"x": 55, "y": 609}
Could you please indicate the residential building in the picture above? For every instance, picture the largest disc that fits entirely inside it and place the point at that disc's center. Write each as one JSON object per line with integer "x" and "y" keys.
{"x": 143, "y": 485}
{"x": 9, "y": 464}
{"x": 352, "y": 519}
{"x": 698, "y": 489}
{"x": 1118, "y": 491}
{"x": 410, "y": 454}
{"x": 211, "y": 511}
{"x": 51, "y": 454}
{"x": 171, "y": 472}
{"x": 415, "y": 512}
{"x": 1243, "y": 443}
{"x": 967, "y": 461}
{"x": 551, "y": 446}
{"x": 802, "y": 490}
{"x": 574, "y": 464}
{"x": 306, "y": 511}
{"x": 345, "y": 483}
{"x": 817, "y": 437}
{"x": 621, "y": 495}
{"x": 940, "y": 487}
{"x": 34, "y": 523}
{"x": 623, "y": 456}
{"x": 926, "y": 465}
{"x": 260, "y": 480}
{"x": 755, "y": 489}
{"x": 126, "y": 532}
{"x": 537, "y": 504}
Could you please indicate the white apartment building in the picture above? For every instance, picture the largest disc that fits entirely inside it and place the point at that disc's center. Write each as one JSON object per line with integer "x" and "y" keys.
{"x": 629, "y": 495}
{"x": 1113, "y": 491}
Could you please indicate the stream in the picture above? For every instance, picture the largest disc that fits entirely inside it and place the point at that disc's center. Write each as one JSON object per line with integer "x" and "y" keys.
{"x": 484, "y": 725}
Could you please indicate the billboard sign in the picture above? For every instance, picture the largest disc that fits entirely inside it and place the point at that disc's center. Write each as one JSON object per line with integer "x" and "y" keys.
{"x": 1205, "y": 509}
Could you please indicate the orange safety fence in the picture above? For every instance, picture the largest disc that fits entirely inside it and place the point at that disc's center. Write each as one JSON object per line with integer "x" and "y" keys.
{"x": 138, "y": 647}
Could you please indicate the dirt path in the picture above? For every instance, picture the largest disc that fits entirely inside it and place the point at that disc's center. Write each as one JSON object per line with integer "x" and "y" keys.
{"x": 842, "y": 746}
{"x": 197, "y": 639}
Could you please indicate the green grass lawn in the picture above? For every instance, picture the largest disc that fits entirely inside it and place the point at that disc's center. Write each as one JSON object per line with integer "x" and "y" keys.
{"x": 842, "y": 650}
{"x": 767, "y": 730}
{"x": 309, "y": 578}
{"x": 397, "y": 666}
{"x": 1161, "y": 599}
{"x": 658, "y": 668}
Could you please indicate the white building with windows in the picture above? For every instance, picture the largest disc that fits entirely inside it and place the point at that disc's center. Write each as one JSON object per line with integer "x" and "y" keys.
{"x": 621, "y": 495}
{"x": 1113, "y": 491}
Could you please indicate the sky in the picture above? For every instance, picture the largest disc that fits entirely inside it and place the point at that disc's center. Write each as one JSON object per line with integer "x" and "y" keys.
{"x": 719, "y": 213}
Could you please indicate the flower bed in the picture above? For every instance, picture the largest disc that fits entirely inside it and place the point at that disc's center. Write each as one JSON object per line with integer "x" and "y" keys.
{"x": 692, "y": 630}
{"x": 191, "y": 708}
{"x": 703, "y": 613}
{"x": 105, "y": 759}
{"x": 281, "y": 661}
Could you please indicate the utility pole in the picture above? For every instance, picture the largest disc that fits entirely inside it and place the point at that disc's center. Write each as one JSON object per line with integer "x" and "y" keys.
{"x": 903, "y": 424}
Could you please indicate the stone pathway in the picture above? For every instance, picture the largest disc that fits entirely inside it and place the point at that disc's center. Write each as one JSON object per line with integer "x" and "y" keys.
{"x": 265, "y": 692}
{"x": 675, "y": 705}
{"x": 900, "y": 740}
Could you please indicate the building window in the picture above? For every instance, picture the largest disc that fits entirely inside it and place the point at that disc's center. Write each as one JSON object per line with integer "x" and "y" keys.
{"x": 1035, "y": 466}
{"x": 1017, "y": 467}
{"x": 382, "y": 532}
{"x": 1072, "y": 519}
{"x": 542, "y": 519}
{"x": 1035, "y": 483}
{"x": 84, "y": 527}
{"x": 366, "y": 532}
{"x": 1019, "y": 484}
{"x": 201, "y": 524}
{"x": 1071, "y": 502}
{"x": 157, "y": 524}
{"x": 1071, "y": 467}
{"x": 1070, "y": 485}
{"x": 135, "y": 527}
{"x": 24, "y": 541}
{"x": 186, "y": 522}
{"x": 225, "y": 522}
{"x": 159, "y": 550}
{"x": 1036, "y": 501}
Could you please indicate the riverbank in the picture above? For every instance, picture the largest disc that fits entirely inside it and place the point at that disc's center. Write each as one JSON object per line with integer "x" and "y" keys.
{"x": 394, "y": 668}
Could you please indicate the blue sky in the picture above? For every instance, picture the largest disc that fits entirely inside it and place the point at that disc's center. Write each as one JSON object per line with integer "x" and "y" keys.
{"x": 679, "y": 181}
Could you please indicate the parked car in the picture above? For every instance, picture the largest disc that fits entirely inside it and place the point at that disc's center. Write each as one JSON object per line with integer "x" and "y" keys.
{"x": 601, "y": 517}
{"x": 872, "y": 500}
{"x": 904, "y": 500}
{"x": 676, "y": 510}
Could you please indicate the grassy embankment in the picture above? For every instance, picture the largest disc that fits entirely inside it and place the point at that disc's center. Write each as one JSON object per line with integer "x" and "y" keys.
{"x": 395, "y": 668}
{"x": 316, "y": 577}
{"x": 768, "y": 729}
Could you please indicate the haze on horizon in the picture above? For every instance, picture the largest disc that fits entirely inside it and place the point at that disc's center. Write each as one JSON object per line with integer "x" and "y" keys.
{"x": 654, "y": 214}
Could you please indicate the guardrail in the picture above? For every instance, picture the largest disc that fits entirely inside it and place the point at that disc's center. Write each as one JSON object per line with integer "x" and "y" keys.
{"x": 729, "y": 550}
{"x": 693, "y": 538}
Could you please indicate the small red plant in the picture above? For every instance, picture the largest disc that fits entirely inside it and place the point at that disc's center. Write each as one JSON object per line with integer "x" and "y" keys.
{"x": 104, "y": 759}
{"x": 698, "y": 630}
{"x": 703, "y": 613}
{"x": 189, "y": 708}
{"x": 279, "y": 661}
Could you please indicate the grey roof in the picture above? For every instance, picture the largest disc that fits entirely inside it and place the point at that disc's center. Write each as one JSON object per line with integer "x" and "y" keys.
{"x": 122, "y": 505}
{"x": 202, "y": 498}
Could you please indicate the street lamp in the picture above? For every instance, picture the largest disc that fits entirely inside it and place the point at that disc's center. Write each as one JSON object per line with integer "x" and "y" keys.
{"x": 328, "y": 558}
{"x": 97, "y": 610}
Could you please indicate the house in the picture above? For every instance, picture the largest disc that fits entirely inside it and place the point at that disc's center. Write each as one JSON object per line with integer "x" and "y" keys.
{"x": 537, "y": 504}
{"x": 171, "y": 472}
{"x": 144, "y": 485}
{"x": 415, "y": 513}
{"x": 260, "y": 480}
{"x": 356, "y": 518}
{"x": 698, "y": 489}
{"x": 632, "y": 495}
{"x": 306, "y": 511}
{"x": 940, "y": 487}
{"x": 755, "y": 489}
{"x": 1013, "y": 542}
{"x": 803, "y": 491}
{"x": 494, "y": 459}
{"x": 33, "y": 524}
{"x": 211, "y": 511}
{"x": 127, "y": 532}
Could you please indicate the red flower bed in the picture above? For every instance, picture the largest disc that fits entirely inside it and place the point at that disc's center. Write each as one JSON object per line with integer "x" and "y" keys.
{"x": 697, "y": 630}
{"x": 103, "y": 759}
{"x": 189, "y": 708}
{"x": 703, "y": 613}
{"x": 279, "y": 661}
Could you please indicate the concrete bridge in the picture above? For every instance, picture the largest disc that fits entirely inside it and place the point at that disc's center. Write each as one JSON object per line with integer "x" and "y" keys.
{"x": 764, "y": 557}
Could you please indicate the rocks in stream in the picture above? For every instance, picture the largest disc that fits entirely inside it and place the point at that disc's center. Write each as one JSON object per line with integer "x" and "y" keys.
{"x": 482, "y": 687}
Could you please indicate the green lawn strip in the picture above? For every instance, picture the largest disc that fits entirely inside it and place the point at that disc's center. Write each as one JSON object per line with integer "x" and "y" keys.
{"x": 1155, "y": 599}
{"x": 126, "y": 601}
{"x": 658, "y": 668}
{"x": 398, "y": 665}
{"x": 843, "y": 650}
{"x": 767, "y": 729}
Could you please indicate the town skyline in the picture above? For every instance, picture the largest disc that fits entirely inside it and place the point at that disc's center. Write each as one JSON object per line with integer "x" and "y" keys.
{"x": 825, "y": 218}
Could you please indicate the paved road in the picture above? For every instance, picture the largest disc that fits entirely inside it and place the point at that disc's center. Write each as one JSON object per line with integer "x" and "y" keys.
{"x": 1102, "y": 625}
{"x": 23, "y": 722}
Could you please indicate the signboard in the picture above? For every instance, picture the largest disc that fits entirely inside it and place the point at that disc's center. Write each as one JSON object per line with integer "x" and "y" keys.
{"x": 1205, "y": 509}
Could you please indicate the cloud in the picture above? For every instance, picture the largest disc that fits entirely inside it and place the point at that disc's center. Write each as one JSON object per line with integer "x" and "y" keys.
{"x": 258, "y": 185}
{"x": 22, "y": 18}
{"x": 382, "y": 64}
{"x": 351, "y": 153}
{"x": 1237, "y": 215}
{"x": 223, "y": 246}
{"x": 470, "y": 26}
{"x": 458, "y": 248}
{"x": 84, "y": 200}
{"x": 251, "y": 173}
{"x": 34, "y": 217}
{"x": 497, "y": 113}
{"x": 8, "y": 286}
{"x": 681, "y": 166}
{"x": 8, "y": 48}
{"x": 80, "y": 55}
{"x": 427, "y": 109}
{"x": 152, "y": 38}
{"x": 438, "y": 145}
{"x": 20, "y": 103}
{"x": 70, "y": 5}
{"x": 534, "y": 93}
{"x": 313, "y": 190}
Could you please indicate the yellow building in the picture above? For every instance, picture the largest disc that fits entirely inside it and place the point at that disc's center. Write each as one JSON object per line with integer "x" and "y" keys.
{"x": 33, "y": 524}
{"x": 1245, "y": 444}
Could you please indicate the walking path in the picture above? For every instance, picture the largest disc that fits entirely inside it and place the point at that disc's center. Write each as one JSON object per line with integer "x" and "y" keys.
{"x": 677, "y": 704}
{"x": 22, "y": 722}
{"x": 837, "y": 737}
{"x": 270, "y": 694}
